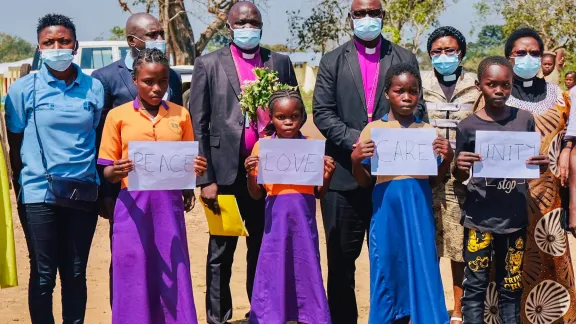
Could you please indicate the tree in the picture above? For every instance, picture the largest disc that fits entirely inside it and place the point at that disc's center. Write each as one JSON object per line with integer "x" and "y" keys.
{"x": 415, "y": 15}
{"x": 282, "y": 48}
{"x": 553, "y": 19}
{"x": 14, "y": 48}
{"x": 179, "y": 34}
{"x": 490, "y": 35}
{"x": 117, "y": 33}
{"x": 324, "y": 26}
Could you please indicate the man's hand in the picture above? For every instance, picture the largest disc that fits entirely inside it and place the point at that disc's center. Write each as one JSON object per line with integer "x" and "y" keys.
{"x": 209, "y": 194}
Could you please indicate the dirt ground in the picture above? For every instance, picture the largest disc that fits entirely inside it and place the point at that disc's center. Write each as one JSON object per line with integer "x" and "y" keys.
{"x": 13, "y": 301}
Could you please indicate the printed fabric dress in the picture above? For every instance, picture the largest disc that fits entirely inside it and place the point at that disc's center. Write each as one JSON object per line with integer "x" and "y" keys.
{"x": 548, "y": 277}
{"x": 150, "y": 261}
{"x": 8, "y": 274}
{"x": 404, "y": 270}
{"x": 288, "y": 283}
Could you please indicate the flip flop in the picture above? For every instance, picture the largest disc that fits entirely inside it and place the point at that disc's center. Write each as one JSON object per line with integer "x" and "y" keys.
{"x": 457, "y": 319}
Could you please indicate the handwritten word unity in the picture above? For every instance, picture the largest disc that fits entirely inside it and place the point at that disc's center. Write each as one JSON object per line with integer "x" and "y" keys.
{"x": 291, "y": 161}
{"x": 162, "y": 165}
{"x": 403, "y": 151}
{"x": 504, "y": 154}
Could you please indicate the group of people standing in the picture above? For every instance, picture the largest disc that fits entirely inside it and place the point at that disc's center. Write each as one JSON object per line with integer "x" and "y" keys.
{"x": 506, "y": 238}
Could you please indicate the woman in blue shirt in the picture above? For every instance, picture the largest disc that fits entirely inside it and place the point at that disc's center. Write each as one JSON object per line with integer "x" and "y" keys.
{"x": 51, "y": 118}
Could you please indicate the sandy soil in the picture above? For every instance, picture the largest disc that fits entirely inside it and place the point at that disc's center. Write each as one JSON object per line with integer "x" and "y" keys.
{"x": 13, "y": 301}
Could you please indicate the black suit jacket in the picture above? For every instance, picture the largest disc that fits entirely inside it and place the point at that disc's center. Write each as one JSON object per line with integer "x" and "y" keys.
{"x": 340, "y": 105}
{"x": 216, "y": 115}
{"x": 118, "y": 90}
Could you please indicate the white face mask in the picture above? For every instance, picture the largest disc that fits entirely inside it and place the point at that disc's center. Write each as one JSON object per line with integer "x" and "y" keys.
{"x": 57, "y": 59}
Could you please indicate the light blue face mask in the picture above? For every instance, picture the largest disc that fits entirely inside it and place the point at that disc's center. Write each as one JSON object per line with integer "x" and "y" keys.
{"x": 57, "y": 59}
{"x": 367, "y": 28}
{"x": 527, "y": 66}
{"x": 158, "y": 44}
{"x": 446, "y": 64}
{"x": 247, "y": 38}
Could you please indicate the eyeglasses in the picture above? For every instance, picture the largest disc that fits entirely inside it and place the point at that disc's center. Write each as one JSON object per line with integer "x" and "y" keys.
{"x": 447, "y": 51}
{"x": 522, "y": 53}
{"x": 357, "y": 14}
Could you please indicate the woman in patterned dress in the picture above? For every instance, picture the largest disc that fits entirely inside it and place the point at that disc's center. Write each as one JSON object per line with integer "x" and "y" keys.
{"x": 548, "y": 277}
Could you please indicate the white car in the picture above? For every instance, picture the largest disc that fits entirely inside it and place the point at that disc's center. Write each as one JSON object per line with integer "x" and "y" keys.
{"x": 93, "y": 55}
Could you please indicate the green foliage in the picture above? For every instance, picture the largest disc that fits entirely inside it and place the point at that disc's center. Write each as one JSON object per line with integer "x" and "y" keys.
{"x": 255, "y": 94}
{"x": 490, "y": 35}
{"x": 415, "y": 15}
{"x": 553, "y": 19}
{"x": 14, "y": 48}
{"x": 307, "y": 99}
{"x": 325, "y": 25}
{"x": 117, "y": 33}
{"x": 282, "y": 48}
{"x": 474, "y": 57}
{"x": 219, "y": 40}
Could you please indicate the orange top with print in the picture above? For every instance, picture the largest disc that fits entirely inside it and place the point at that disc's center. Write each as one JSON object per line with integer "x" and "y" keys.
{"x": 280, "y": 189}
{"x": 127, "y": 123}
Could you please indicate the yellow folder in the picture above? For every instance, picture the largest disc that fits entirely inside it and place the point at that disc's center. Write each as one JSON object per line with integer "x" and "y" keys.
{"x": 228, "y": 222}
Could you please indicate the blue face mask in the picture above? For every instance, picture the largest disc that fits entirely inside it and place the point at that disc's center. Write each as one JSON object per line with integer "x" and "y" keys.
{"x": 247, "y": 38}
{"x": 57, "y": 59}
{"x": 527, "y": 66}
{"x": 367, "y": 28}
{"x": 446, "y": 64}
{"x": 158, "y": 44}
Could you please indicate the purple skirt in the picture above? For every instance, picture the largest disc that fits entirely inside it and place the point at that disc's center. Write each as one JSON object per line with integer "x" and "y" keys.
{"x": 150, "y": 260}
{"x": 288, "y": 283}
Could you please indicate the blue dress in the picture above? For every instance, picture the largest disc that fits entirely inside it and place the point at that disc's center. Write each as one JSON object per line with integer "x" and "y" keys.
{"x": 404, "y": 270}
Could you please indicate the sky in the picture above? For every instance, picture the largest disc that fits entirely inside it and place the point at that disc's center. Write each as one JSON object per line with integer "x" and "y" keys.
{"x": 94, "y": 18}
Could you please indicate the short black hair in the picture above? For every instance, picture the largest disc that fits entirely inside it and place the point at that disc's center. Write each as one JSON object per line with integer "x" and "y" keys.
{"x": 149, "y": 55}
{"x": 399, "y": 69}
{"x": 279, "y": 95}
{"x": 553, "y": 56}
{"x": 448, "y": 31}
{"x": 55, "y": 20}
{"x": 492, "y": 60}
{"x": 522, "y": 33}
{"x": 570, "y": 72}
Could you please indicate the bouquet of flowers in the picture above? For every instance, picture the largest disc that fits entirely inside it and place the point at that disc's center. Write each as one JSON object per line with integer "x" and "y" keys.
{"x": 255, "y": 96}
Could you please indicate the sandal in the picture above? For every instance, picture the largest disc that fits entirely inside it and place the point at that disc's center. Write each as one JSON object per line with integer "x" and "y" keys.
{"x": 457, "y": 319}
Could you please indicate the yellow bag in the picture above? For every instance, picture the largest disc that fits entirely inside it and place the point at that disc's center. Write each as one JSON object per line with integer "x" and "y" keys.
{"x": 228, "y": 222}
{"x": 8, "y": 275}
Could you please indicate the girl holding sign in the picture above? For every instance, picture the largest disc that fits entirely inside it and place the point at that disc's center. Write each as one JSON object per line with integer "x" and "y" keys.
{"x": 405, "y": 283}
{"x": 150, "y": 260}
{"x": 495, "y": 212}
{"x": 288, "y": 282}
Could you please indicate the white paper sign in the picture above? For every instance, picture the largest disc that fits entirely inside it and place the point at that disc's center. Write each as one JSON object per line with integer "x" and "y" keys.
{"x": 404, "y": 151}
{"x": 291, "y": 161}
{"x": 504, "y": 155}
{"x": 162, "y": 165}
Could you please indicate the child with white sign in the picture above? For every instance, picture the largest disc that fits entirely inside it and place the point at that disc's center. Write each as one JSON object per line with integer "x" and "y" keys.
{"x": 150, "y": 260}
{"x": 495, "y": 212}
{"x": 405, "y": 282}
{"x": 288, "y": 283}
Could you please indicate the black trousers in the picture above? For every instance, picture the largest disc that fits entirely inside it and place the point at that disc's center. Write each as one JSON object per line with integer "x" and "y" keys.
{"x": 58, "y": 240}
{"x": 221, "y": 253}
{"x": 508, "y": 253}
{"x": 346, "y": 216}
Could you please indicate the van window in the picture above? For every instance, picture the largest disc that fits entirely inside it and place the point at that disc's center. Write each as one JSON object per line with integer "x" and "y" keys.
{"x": 96, "y": 57}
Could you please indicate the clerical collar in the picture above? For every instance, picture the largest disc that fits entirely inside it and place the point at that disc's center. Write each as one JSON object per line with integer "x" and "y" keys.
{"x": 527, "y": 84}
{"x": 247, "y": 56}
{"x": 450, "y": 78}
{"x": 370, "y": 51}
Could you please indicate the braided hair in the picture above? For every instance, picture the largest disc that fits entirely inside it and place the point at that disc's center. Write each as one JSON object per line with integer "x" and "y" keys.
{"x": 492, "y": 60}
{"x": 399, "y": 69}
{"x": 149, "y": 55}
{"x": 282, "y": 95}
{"x": 451, "y": 32}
